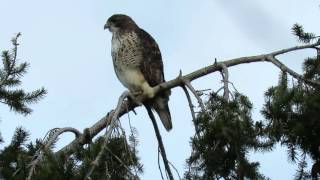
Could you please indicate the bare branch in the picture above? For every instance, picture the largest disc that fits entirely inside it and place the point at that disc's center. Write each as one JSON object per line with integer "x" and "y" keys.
{"x": 283, "y": 51}
{"x": 39, "y": 154}
{"x": 194, "y": 92}
{"x": 105, "y": 121}
{"x": 115, "y": 115}
{"x": 160, "y": 143}
{"x": 112, "y": 125}
{"x": 225, "y": 76}
{"x": 159, "y": 164}
{"x": 191, "y": 106}
{"x": 284, "y": 68}
{"x": 175, "y": 170}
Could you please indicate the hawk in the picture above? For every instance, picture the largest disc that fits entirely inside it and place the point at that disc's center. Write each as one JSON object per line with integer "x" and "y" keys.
{"x": 138, "y": 64}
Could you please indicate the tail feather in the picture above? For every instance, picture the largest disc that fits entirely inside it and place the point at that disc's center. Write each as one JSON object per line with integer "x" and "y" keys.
{"x": 160, "y": 105}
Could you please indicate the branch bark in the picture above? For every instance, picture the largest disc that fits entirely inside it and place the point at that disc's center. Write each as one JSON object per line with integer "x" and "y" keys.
{"x": 225, "y": 76}
{"x": 127, "y": 106}
{"x": 160, "y": 143}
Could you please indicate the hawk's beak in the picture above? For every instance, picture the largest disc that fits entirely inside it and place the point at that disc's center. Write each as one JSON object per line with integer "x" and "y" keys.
{"x": 106, "y": 26}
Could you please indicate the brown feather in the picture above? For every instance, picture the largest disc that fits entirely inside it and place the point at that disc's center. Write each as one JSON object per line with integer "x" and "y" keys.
{"x": 137, "y": 50}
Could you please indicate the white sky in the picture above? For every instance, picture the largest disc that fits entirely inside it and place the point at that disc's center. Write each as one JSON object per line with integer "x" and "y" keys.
{"x": 70, "y": 56}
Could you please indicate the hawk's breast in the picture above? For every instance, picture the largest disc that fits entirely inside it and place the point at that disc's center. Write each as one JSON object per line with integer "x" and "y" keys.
{"x": 127, "y": 57}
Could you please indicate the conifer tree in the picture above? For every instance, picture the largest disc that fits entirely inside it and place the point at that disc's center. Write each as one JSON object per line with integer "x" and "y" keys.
{"x": 225, "y": 131}
{"x": 118, "y": 162}
{"x": 226, "y": 134}
{"x": 292, "y": 113}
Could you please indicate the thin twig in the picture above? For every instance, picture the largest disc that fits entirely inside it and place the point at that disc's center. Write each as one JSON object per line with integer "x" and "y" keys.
{"x": 134, "y": 143}
{"x": 107, "y": 134}
{"x": 160, "y": 143}
{"x": 115, "y": 115}
{"x": 175, "y": 170}
{"x": 159, "y": 164}
{"x": 194, "y": 92}
{"x": 234, "y": 87}
{"x": 191, "y": 106}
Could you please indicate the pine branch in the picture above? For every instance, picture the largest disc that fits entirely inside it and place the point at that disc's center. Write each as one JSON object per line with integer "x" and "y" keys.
{"x": 10, "y": 75}
{"x": 304, "y": 37}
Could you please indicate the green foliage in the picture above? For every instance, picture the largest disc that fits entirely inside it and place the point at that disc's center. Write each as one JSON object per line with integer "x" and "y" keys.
{"x": 293, "y": 118}
{"x": 292, "y": 109}
{"x": 226, "y": 135}
{"x": 301, "y": 173}
{"x": 115, "y": 162}
{"x": 302, "y": 36}
{"x": 311, "y": 68}
{"x": 10, "y": 78}
{"x": 12, "y": 157}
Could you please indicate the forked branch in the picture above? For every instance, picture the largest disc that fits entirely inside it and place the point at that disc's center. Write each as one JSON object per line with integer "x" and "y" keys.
{"x": 127, "y": 106}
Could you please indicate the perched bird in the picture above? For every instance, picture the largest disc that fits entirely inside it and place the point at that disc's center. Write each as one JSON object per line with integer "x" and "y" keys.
{"x": 138, "y": 64}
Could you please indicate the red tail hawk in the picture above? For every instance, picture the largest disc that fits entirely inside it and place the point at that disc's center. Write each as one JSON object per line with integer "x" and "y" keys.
{"x": 138, "y": 64}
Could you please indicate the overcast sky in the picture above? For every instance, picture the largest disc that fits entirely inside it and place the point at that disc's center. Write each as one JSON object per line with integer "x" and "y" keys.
{"x": 69, "y": 53}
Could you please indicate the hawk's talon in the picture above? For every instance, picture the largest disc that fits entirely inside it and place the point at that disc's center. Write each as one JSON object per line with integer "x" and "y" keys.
{"x": 137, "y": 93}
{"x": 135, "y": 98}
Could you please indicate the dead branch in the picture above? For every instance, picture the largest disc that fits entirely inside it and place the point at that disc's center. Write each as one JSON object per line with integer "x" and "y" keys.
{"x": 191, "y": 106}
{"x": 160, "y": 143}
{"x": 115, "y": 115}
{"x": 128, "y": 105}
{"x": 39, "y": 154}
{"x": 284, "y": 68}
{"x": 159, "y": 164}
{"x": 194, "y": 92}
{"x": 225, "y": 79}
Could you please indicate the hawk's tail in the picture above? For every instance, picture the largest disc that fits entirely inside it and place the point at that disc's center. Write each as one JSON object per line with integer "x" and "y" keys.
{"x": 160, "y": 105}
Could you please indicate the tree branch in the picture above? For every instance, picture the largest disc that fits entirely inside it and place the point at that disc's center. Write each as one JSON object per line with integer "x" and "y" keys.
{"x": 127, "y": 106}
{"x": 194, "y": 92}
{"x": 160, "y": 143}
{"x": 225, "y": 76}
{"x": 115, "y": 115}
{"x": 284, "y": 68}
{"x": 39, "y": 155}
{"x": 191, "y": 106}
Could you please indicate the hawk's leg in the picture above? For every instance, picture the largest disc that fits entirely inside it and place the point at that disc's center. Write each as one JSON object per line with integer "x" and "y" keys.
{"x": 147, "y": 90}
{"x": 136, "y": 96}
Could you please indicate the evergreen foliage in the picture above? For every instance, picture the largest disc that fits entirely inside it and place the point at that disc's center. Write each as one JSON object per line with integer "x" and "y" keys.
{"x": 292, "y": 113}
{"x": 303, "y": 36}
{"x": 119, "y": 158}
{"x": 10, "y": 78}
{"x": 226, "y": 134}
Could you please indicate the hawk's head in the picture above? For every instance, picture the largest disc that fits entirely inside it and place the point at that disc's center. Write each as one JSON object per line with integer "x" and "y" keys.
{"x": 119, "y": 22}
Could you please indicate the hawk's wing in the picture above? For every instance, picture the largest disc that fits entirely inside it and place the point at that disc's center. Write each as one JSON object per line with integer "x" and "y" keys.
{"x": 151, "y": 65}
{"x": 152, "y": 69}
